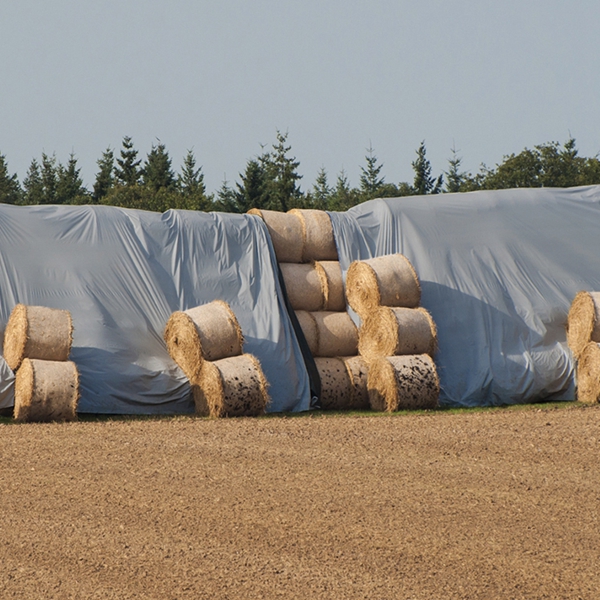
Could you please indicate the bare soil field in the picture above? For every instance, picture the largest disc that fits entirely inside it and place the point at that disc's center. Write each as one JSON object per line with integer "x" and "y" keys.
{"x": 490, "y": 504}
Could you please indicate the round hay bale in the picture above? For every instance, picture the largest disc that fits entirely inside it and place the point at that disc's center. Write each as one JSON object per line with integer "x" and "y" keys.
{"x": 319, "y": 242}
{"x": 309, "y": 329}
{"x": 383, "y": 281}
{"x": 231, "y": 387}
{"x": 337, "y": 334}
{"x": 336, "y": 298}
{"x": 306, "y": 285}
{"x": 207, "y": 332}
{"x": 394, "y": 331}
{"x": 403, "y": 382}
{"x": 46, "y": 390}
{"x": 286, "y": 234}
{"x": 583, "y": 322}
{"x": 588, "y": 374}
{"x": 37, "y": 332}
{"x": 358, "y": 371}
{"x": 337, "y": 391}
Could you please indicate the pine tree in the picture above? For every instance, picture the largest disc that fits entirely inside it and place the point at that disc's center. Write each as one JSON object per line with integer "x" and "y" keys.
{"x": 157, "y": 172}
{"x": 282, "y": 176}
{"x": 226, "y": 200}
{"x": 10, "y": 190}
{"x": 49, "y": 179}
{"x": 104, "y": 178}
{"x": 69, "y": 187}
{"x": 370, "y": 182}
{"x": 321, "y": 194}
{"x": 250, "y": 191}
{"x": 128, "y": 172}
{"x": 191, "y": 185}
{"x": 343, "y": 196}
{"x": 33, "y": 188}
{"x": 455, "y": 179}
{"x": 424, "y": 183}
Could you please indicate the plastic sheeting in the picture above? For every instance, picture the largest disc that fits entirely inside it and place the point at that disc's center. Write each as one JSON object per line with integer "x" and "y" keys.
{"x": 121, "y": 273}
{"x": 498, "y": 271}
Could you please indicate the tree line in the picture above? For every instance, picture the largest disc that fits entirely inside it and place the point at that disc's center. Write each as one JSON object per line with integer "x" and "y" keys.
{"x": 271, "y": 180}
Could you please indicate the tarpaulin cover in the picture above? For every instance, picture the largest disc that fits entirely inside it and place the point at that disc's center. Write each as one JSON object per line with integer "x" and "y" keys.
{"x": 498, "y": 270}
{"x": 122, "y": 273}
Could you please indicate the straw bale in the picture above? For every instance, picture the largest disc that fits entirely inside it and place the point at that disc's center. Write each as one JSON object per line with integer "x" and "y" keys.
{"x": 309, "y": 329}
{"x": 306, "y": 285}
{"x": 337, "y": 390}
{"x": 583, "y": 322}
{"x": 46, "y": 390}
{"x": 231, "y": 387}
{"x": 37, "y": 332}
{"x": 383, "y": 281}
{"x": 286, "y": 232}
{"x": 403, "y": 382}
{"x": 588, "y": 374}
{"x": 358, "y": 371}
{"x": 336, "y": 298}
{"x": 207, "y": 332}
{"x": 319, "y": 242}
{"x": 337, "y": 334}
{"x": 394, "y": 331}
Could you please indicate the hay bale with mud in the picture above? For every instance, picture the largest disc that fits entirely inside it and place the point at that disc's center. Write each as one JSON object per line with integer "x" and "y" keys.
{"x": 37, "y": 332}
{"x": 337, "y": 334}
{"x": 358, "y": 372}
{"x": 389, "y": 280}
{"x": 306, "y": 285}
{"x": 403, "y": 382}
{"x": 286, "y": 233}
{"x": 309, "y": 329}
{"x": 583, "y": 321}
{"x": 231, "y": 387}
{"x": 397, "y": 331}
{"x": 336, "y": 298}
{"x": 207, "y": 332}
{"x": 319, "y": 242}
{"x": 588, "y": 374}
{"x": 337, "y": 390}
{"x": 46, "y": 390}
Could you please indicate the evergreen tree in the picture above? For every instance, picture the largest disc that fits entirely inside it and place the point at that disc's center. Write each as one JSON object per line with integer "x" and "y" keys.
{"x": 343, "y": 197}
{"x": 322, "y": 193}
{"x": 455, "y": 178}
{"x": 33, "y": 188}
{"x": 282, "y": 176}
{"x": 424, "y": 183}
{"x": 370, "y": 182}
{"x": 104, "y": 178}
{"x": 157, "y": 172}
{"x": 128, "y": 172}
{"x": 49, "y": 179}
{"x": 226, "y": 200}
{"x": 10, "y": 190}
{"x": 191, "y": 185}
{"x": 250, "y": 191}
{"x": 69, "y": 186}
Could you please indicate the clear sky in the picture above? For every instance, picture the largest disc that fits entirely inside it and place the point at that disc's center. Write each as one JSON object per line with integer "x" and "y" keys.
{"x": 221, "y": 76}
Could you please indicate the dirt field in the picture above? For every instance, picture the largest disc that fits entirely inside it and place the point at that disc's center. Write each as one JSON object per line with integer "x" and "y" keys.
{"x": 501, "y": 504}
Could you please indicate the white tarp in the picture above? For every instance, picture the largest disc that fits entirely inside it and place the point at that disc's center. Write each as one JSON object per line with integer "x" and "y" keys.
{"x": 121, "y": 273}
{"x": 498, "y": 271}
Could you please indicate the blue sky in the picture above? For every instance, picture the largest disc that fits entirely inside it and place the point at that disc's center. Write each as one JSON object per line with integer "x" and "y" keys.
{"x": 221, "y": 77}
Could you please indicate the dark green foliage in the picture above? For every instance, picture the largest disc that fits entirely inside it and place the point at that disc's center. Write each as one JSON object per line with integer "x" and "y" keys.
{"x": 343, "y": 197}
{"x": 10, "y": 190}
{"x": 33, "y": 188}
{"x": 157, "y": 172}
{"x": 281, "y": 176}
{"x": 49, "y": 179}
{"x": 455, "y": 179}
{"x": 226, "y": 200}
{"x": 104, "y": 178}
{"x": 371, "y": 183}
{"x": 128, "y": 172}
{"x": 69, "y": 185}
{"x": 191, "y": 186}
{"x": 252, "y": 190}
{"x": 424, "y": 182}
{"x": 320, "y": 197}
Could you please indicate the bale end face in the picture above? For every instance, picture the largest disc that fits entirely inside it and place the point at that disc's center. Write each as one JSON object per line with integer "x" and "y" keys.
{"x": 583, "y": 324}
{"x": 588, "y": 374}
{"x": 183, "y": 344}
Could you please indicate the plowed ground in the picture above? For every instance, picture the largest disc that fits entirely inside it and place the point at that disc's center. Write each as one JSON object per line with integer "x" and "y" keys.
{"x": 500, "y": 504}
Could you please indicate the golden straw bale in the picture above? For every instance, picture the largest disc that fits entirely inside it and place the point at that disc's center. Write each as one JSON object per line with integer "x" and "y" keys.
{"x": 383, "y": 281}
{"x": 37, "y": 332}
{"x": 336, "y": 298}
{"x": 306, "y": 285}
{"x": 337, "y": 334}
{"x": 393, "y": 331}
{"x": 583, "y": 322}
{"x": 588, "y": 374}
{"x": 286, "y": 233}
{"x": 358, "y": 371}
{"x": 207, "y": 332}
{"x": 403, "y": 382}
{"x": 46, "y": 390}
{"x": 231, "y": 387}
{"x": 337, "y": 390}
{"x": 309, "y": 329}
{"x": 319, "y": 242}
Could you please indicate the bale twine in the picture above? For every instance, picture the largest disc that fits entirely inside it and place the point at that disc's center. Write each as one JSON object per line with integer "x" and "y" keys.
{"x": 336, "y": 299}
{"x": 337, "y": 390}
{"x": 306, "y": 285}
{"x": 231, "y": 387}
{"x": 583, "y": 322}
{"x": 37, "y": 332}
{"x": 588, "y": 374}
{"x": 46, "y": 390}
{"x": 286, "y": 234}
{"x": 383, "y": 281}
{"x": 207, "y": 332}
{"x": 403, "y": 382}
{"x": 319, "y": 242}
{"x": 309, "y": 329}
{"x": 337, "y": 334}
{"x": 358, "y": 371}
{"x": 393, "y": 331}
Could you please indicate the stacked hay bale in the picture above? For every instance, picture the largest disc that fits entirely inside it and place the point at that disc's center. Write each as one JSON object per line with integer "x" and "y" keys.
{"x": 583, "y": 337}
{"x": 305, "y": 248}
{"x": 206, "y": 342}
{"x": 37, "y": 344}
{"x": 397, "y": 338}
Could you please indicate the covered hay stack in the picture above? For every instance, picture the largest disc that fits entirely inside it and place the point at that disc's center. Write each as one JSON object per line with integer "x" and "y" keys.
{"x": 583, "y": 322}
{"x": 231, "y": 387}
{"x": 306, "y": 285}
{"x": 319, "y": 242}
{"x": 383, "y": 281}
{"x": 309, "y": 329}
{"x": 46, "y": 391}
{"x": 403, "y": 382}
{"x": 588, "y": 374}
{"x": 394, "y": 331}
{"x": 286, "y": 234}
{"x": 343, "y": 383}
{"x": 207, "y": 332}
{"x": 336, "y": 298}
{"x": 37, "y": 332}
